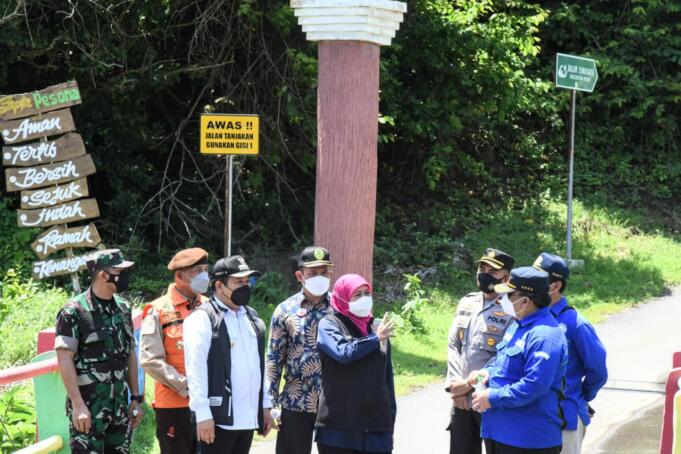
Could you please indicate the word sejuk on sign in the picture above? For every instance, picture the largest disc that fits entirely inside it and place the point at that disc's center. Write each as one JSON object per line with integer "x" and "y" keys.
{"x": 58, "y": 238}
{"x": 66, "y": 147}
{"x": 51, "y": 175}
{"x": 229, "y": 134}
{"x": 51, "y": 98}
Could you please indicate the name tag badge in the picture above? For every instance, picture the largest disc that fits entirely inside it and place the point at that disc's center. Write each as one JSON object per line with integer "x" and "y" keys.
{"x": 215, "y": 401}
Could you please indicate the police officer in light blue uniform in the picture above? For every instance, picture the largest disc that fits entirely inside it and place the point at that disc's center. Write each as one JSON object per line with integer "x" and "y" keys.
{"x": 520, "y": 409}
{"x": 586, "y": 370}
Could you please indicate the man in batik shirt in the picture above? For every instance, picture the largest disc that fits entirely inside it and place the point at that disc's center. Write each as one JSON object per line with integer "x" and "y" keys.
{"x": 293, "y": 346}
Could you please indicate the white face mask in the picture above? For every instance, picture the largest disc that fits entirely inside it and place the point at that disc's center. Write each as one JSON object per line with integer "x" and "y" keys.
{"x": 317, "y": 285}
{"x": 362, "y": 306}
{"x": 199, "y": 283}
{"x": 507, "y": 305}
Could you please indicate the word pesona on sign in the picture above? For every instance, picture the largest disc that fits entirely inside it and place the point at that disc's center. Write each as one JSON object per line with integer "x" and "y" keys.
{"x": 46, "y": 161}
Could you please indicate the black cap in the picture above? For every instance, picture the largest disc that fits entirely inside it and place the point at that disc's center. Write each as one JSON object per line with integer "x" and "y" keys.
{"x": 234, "y": 266}
{"x": 314, "y": 256}
{"x": 526, "y": 279}
{"x": 554, "y": 265}
{"x": 497, "y": 259}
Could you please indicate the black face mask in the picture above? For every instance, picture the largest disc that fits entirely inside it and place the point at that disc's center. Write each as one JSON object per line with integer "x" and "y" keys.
{"x": 121, "y": 281}
{"x": 486, "y": 282}
{"x": 241, "y": 295}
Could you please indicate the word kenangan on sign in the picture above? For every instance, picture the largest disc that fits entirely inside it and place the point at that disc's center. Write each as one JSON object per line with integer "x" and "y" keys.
{"x": 51, "y": 98}
{"x": 37, "y": 177}
{"x": 50, "y": 124}
{"x": 229, "y": 134}
{"x": 59, "y": 267}
{"x": 66, "y": 147}
{"x": 58, "y": 238}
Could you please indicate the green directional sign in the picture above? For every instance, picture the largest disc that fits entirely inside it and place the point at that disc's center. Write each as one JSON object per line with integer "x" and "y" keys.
{"x": 576, "y": 73}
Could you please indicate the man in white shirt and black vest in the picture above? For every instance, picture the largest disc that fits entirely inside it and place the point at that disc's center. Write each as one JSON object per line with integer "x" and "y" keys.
{"x": 224, "y": 343}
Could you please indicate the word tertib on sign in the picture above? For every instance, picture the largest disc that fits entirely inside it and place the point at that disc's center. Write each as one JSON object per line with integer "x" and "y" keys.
{"x": 29, "y": 154}
{"x": 19, "y": 178}
{"x": 51, "y": 98}
{"x": 58, "y": 238}
{"x": 50, "y": 124}
{"x": 576, "y": 73}
{"x": 229, "y": 134}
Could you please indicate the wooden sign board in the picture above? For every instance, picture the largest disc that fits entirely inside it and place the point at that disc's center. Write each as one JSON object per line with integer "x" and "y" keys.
{"x": 79, "y": 210}
{"x": 229, "y": 134}
{"x": 18, "y": 178}
{"x": 59, "y": 267}
{"x": 51, "y": 98}
{"x": 66, "y": 147}
{"x": 58, "y": 238}
{"x": 49, "y": 124}
{"x": 54, "y": 195}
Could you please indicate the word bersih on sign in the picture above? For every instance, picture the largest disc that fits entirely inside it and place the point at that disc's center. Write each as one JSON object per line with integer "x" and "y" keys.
{"x": 576, "y": 73}
{"x": 51, "y": 98}
{"x": 58, "y": 238}
{"x": 51, "y": 175}
{"x": 29, "y": 154}
{"x": 229, "y": 134}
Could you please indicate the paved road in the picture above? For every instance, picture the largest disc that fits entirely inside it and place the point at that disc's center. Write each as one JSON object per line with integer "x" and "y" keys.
{"x": 640, "y": 343}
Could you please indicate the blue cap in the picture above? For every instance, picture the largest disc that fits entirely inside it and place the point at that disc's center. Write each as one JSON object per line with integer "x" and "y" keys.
{"x": 554, "y": 265}
{"x": 526, "y": 279}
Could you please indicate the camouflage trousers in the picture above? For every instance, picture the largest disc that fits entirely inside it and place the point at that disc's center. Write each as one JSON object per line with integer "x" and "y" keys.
{"x": 110, "y": 430}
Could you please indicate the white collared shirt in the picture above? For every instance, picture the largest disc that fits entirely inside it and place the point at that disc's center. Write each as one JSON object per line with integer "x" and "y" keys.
{"x": 245, "y": 374}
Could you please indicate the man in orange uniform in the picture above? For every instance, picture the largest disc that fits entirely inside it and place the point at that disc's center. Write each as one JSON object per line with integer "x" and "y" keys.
{"x": 162, "y": 350}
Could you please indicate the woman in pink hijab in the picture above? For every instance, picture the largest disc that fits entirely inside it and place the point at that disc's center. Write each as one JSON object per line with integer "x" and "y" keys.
{"x": 357, "y": 408}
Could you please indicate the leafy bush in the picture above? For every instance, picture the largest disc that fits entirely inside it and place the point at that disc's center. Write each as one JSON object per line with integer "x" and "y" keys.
{"x": 17, "y": 418}
{"x": 25, "y": 308}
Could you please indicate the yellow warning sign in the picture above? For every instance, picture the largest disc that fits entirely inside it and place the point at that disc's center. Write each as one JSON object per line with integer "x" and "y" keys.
{"x": 229, "y": 134}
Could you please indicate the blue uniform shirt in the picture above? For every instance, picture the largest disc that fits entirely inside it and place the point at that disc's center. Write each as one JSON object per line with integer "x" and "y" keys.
{"x": 525, "y": 382}
{"x": 586, "y": 370}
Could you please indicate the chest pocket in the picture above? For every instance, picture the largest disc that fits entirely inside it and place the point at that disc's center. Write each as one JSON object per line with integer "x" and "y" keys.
{"x": 490, "y": 339}
{"x": 94, "y": 348}
{"x": 513, "y": 366}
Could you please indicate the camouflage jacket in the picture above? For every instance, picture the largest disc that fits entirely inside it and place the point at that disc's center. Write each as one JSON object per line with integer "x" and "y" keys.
{"x": 100, "y": 333}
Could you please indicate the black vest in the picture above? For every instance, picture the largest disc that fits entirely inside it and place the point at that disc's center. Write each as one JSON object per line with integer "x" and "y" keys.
{"x": 355, "y": 396}
{"x": 220, "y": 364}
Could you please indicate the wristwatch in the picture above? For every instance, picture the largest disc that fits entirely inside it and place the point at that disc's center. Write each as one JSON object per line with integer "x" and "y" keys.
{"x": 139, "y": 398}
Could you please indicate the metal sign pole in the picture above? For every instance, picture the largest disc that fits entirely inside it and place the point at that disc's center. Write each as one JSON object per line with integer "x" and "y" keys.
{"x": 570, "y": 177}
{"x": 228, "y": 206}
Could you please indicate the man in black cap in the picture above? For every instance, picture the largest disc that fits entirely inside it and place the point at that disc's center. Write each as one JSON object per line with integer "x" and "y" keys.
{"x": 521, "y": 407}
{"x": 224, "y": 341}
{"x": 478, "y": 327}
{"x": 293, "y": 345}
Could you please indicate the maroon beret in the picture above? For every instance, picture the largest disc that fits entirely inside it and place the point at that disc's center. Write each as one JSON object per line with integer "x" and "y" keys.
{"x": 188, "y": 257}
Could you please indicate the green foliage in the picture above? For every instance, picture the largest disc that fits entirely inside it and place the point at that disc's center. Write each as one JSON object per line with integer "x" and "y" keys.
{"x": 17, "y": 418}
{"x": 415, "y": 300}
{"x": 25, "y": 308}
{"x": 15, "y": 247}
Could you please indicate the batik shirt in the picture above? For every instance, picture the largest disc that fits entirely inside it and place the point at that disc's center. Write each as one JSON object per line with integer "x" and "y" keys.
{"x": 293, "y": 347}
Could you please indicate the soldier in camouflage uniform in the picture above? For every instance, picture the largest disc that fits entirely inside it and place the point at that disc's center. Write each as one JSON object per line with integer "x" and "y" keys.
{"x": 95, "y": 350}
{"x": 477, "y": 328}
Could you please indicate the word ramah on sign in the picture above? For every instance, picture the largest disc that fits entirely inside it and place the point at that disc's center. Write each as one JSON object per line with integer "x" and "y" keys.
{"x": 54, "y": 195}
{"x": 229, "y": 134}
{"x": 79, "y": 210}
{"x": 50, "y": 98}
{"x": 59, "y": 267}
{"x": 50, "y": 124}
{"x": 18, "y": 179}
{"x": 66, "y": 147}
{"x": 58, "y": 238}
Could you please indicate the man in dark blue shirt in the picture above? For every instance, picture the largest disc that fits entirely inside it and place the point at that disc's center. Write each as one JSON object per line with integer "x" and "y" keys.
{"x": 520, "y": 409}
{"x": 586, "y": 370}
